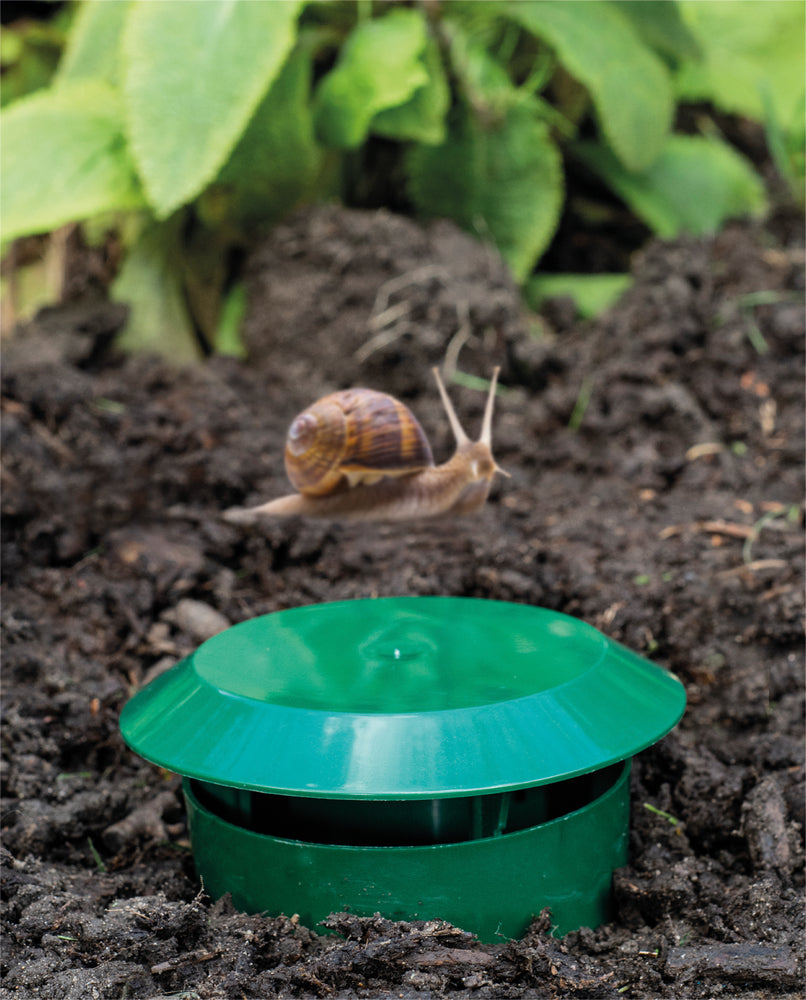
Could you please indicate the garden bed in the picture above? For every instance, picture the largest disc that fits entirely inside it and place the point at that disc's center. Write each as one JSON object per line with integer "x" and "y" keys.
{"x": 656, "y": 461}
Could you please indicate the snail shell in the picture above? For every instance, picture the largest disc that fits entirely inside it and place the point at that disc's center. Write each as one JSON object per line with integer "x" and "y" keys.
{"x": 353, "y": 436}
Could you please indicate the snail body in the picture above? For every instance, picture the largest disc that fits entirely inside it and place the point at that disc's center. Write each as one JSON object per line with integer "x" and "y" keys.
{"x": 362, "y": 455}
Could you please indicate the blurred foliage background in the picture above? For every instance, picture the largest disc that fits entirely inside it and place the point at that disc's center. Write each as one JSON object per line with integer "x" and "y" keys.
{"x": 180, "y": 131}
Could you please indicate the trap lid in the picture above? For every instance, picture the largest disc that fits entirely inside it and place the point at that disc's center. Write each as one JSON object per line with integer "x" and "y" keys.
{"x": 409, "y": 697}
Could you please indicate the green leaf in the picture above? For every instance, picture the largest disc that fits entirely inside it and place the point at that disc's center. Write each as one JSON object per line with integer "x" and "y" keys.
{"x": 276, "y": 160}
{"x": 93, "y": 45}
{"x": 380, "y": 66}
{"x": 504, "y": 181}
{"x": 660, "y": 24}
{"x": 64, "y": 158}
{"x": 228, "y": 338}
{"x": 194, "y": 74}
{"x": 149, "y": 283}
{"x": 484, "y": 81}
{"x": 694, "y": 186}
{"x": 29, "y": 53}
{"x": 422, "y": 118}
{"x": 592, "y": 293}
{"x": 749, "y": 49}
{"x": 787, "y": 147}
{"x": 628, "y": 83}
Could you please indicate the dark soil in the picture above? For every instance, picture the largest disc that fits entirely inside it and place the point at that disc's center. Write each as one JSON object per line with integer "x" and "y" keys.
{"x": 657, "y": 478}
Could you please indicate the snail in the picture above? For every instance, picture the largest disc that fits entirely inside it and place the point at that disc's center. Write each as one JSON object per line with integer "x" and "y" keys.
{"x": 362, "y": 455}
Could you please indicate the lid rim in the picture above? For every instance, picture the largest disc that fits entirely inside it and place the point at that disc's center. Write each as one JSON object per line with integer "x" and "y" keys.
{"x": 604, "y": 714}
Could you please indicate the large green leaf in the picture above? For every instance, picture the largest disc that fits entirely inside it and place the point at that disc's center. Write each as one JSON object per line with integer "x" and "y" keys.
{"x": 276, "y": 160}
{"x": 660, "y": 24}
{"x": 380, "y": 66}
{"x": 695, "y": 185}
{"x": 751, "y": 50}
{"x": 93, "y": 45}
{"x": 788, "y": 147}
{"x": 628, "y": 83}
{"x": 64, "y": 158}
{"x": 422, "y": 118}
{"x": 30, "y": 52}
{"x": 194, "y": 73}
{"x": 502, "y": 181}
{"x": 482, "y": 79}
{"x": 592, "y": 293}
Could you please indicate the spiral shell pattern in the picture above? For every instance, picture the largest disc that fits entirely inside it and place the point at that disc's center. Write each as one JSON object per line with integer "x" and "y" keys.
{"x": 353, "y": 436}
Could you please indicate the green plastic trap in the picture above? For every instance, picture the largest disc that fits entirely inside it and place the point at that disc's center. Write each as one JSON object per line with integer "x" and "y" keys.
{"x": 423, "y": 757}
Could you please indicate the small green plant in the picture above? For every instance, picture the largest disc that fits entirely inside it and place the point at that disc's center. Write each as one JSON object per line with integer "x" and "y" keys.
{"x": 96, "y": 857}
{"x": 581, "y": 405}
{"x": 190, "y": 128}
{"x": 672, "y": 820}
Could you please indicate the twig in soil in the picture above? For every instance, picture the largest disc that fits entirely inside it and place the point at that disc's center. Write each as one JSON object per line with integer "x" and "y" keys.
{"x": 458, "y": 340}
{"x": 380, "y": 340}
{"x": 754, "y": 567}
{"x": 388, "y": 288}
{"x": 389, "y": 316}
{"x": 749, "y": 532}
{"x": 711, "y": 527}
{"x": 179, "y": 960}
{"x": 451, "y": 956}
{"x": 383, "y": 314}
{"x": 705, "y": 448}
{"x": 50, "y": 440}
